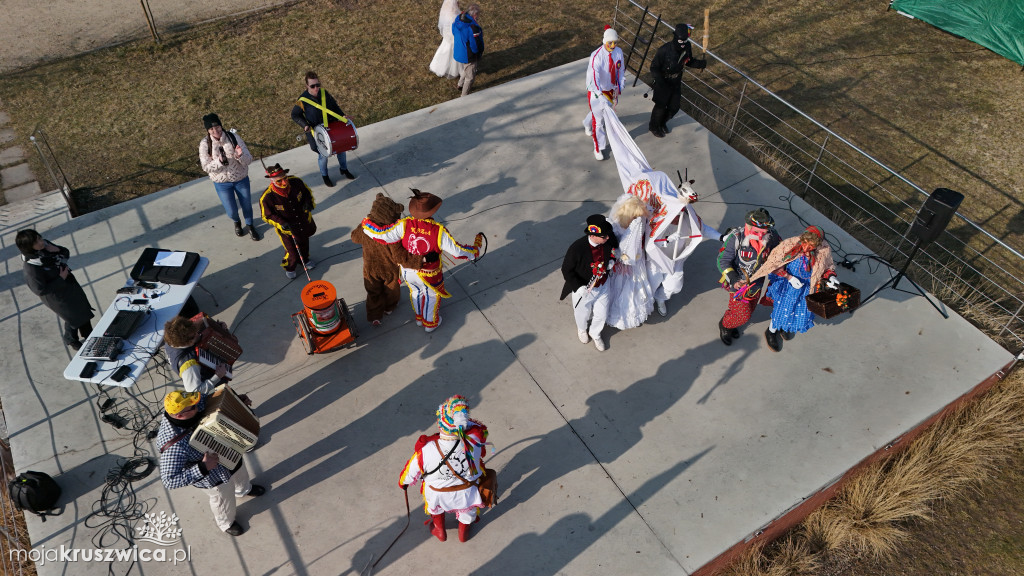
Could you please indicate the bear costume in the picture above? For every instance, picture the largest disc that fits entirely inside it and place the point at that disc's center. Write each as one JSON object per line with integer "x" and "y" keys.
{"x": 381, "y": 261}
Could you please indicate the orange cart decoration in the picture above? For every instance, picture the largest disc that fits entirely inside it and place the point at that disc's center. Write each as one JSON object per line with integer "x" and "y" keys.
{"x": 325, "y": 323}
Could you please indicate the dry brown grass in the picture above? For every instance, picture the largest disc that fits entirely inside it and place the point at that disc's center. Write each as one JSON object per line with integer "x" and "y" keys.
{"x": 126, "y": 121}
{"x": 874, "y": 511}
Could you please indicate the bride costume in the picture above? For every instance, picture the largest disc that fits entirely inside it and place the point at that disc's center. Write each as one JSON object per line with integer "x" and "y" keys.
{"x": 444, "y": 64}
{"x": 632, "y": 296}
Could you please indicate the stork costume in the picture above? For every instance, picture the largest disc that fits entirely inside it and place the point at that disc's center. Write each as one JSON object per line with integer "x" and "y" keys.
{"x": 422, "y": 236}
{"x": 604, "y": 85}
{"x": 441, "y": 459}
{"x": 675, "y": 228}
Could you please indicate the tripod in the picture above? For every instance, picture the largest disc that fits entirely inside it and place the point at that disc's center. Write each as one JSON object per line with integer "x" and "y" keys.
{"x": 895, "y": 280}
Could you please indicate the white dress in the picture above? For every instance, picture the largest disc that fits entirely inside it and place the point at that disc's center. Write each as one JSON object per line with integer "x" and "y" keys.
{"x": 444, "y": 64}
{"x": 632, "y": 298}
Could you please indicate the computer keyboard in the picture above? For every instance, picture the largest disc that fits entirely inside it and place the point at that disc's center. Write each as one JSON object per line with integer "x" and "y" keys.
{"x": 101, "y": 348}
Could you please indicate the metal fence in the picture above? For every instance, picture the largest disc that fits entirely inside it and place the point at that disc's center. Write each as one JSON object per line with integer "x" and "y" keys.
{"x": 968, "y": 268}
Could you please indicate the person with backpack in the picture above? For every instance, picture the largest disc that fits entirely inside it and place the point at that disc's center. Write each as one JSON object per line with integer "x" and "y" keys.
{"x": 469, "y": 46}
{"x": 224, "y": 156}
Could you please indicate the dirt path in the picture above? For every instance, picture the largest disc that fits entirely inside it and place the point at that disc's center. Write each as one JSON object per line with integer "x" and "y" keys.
{"x": 39, "y": 31}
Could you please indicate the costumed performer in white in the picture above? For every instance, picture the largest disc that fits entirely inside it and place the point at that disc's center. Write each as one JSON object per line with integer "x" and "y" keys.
{"x": 444, "y": 64}
{"x": 450, "y": 463}
{"x": 604, "y": 85}
{"x": 675, "y": 227}
{"x": 629, "y": 286}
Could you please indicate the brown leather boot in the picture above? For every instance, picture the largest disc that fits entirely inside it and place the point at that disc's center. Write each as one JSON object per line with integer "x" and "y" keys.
{"x": 464, "y": 530}
{"x": 437, "y": 527}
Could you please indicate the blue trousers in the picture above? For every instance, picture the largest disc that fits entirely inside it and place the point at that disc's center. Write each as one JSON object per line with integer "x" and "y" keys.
{"x": 321, "y": 160}
{"x": 228, "y": 191}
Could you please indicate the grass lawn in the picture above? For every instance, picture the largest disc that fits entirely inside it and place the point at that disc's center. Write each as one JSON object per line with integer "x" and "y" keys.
{"x": 126, "y": 121}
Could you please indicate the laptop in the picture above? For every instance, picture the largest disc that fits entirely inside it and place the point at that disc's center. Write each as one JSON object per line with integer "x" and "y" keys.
{"x": 124, "y": 323}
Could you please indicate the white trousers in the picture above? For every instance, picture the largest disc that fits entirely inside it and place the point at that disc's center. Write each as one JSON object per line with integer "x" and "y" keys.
{"x": 425, "y": 301}
{"x": 591, "y": 306}
{"x": 222, "y": 497}
{"x": 595, "y": 120}
{"x": 671, "y": 285}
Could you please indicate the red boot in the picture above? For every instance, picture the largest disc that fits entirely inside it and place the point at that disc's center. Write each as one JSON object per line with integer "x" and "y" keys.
{"x": 437, "y": 528}
{"x": 464, "y": 529}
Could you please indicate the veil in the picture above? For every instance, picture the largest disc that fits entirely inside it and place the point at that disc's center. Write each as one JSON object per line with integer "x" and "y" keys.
{"x": 443, "y": 63}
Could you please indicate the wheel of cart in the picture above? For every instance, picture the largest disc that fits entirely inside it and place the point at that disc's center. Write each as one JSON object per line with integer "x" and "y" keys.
{"x": 302, "y": 328}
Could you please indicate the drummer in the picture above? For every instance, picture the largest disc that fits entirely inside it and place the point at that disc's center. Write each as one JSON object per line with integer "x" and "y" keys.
{"x": 308, "y": 113}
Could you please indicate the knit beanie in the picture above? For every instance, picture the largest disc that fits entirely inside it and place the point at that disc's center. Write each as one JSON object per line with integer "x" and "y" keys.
{"x": 211, "y": 120}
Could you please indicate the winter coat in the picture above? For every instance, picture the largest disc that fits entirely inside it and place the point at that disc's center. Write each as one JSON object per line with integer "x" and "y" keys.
{"x": 469, "y": 39}
{"x": 305, "y": 115}
{"x": 64, "y": 296}
{"x": 213, "y": 162}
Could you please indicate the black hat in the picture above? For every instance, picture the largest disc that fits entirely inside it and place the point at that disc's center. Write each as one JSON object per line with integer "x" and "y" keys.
{"x": 598, "y": 225}
{"x": 211, "y": 120}
{"x": 683, "y": 31}
{"x": 760, "y": 218}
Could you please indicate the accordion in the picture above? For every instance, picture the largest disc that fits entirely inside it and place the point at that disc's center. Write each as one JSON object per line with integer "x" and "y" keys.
{"x": 216, "y": 344}
{"x": 228, "y": 427}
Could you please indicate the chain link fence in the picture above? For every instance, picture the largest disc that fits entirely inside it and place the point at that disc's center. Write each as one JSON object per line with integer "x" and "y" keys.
{"x": 968, "y": 268}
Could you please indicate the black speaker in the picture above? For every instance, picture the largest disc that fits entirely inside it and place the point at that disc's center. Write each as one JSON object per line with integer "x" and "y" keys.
{"x": 935, "y": 215}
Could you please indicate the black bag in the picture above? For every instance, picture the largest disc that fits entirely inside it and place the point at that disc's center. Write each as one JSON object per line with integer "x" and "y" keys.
{"x": 34, "y": 492}
{"x": 145, "y": 270}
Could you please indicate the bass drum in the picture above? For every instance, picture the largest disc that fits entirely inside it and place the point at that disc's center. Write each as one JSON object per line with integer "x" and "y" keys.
{"x": 339, "y": 137}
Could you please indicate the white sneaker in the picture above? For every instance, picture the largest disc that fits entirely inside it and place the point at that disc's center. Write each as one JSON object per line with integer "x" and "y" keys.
{"x": 588, "y": 131}
{"x": 310, "y": 264}
{"x": 598, "y": 155}
{"x": 599, "y": 344}
{"x": 662, "y": 309}
{"x": 420, "y": 324}
{"x": 584, "y": 337}
{"x": 290, "y": 274}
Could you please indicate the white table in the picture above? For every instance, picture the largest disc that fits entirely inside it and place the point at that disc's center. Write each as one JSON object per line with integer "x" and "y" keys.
{"x": 164, "y": 303}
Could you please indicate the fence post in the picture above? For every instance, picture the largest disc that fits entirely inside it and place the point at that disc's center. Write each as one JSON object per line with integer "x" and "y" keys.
{"x": 816, "y": 161}
{"x": 737, "y": 114}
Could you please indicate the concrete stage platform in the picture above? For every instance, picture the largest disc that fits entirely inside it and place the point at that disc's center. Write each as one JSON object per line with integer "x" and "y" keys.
{"x": 650, "y": 458}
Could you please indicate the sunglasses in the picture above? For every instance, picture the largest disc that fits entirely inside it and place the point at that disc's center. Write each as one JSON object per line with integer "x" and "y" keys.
{"x": 312, "y": 86}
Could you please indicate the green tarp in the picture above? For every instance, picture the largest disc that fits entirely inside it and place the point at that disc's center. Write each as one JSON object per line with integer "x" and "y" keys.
{"x": 995, "y": 24}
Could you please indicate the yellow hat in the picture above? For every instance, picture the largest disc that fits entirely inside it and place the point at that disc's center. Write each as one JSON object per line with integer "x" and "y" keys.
{"x": 179, "y": 400}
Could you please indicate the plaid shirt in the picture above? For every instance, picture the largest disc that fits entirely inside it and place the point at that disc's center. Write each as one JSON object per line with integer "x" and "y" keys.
{"x": 179, "y": 463}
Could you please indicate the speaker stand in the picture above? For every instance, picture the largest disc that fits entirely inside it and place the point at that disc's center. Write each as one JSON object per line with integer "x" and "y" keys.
{"x": 895, "y": 280}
